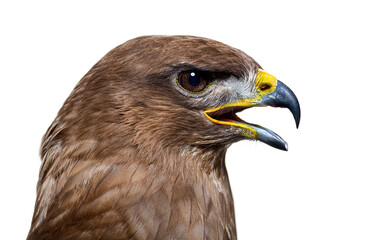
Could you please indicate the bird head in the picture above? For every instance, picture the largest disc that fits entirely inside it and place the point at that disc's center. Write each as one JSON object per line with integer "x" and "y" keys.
{"x": 146, "y": 130}
{"x": 156, "y": 92}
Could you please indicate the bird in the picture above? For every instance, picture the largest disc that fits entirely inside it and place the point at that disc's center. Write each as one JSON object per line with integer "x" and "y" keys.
{"x": 137, "y": 151}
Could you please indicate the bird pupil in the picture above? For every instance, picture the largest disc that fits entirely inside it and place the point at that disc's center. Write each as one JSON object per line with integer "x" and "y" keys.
{"x": 194, "y": 79}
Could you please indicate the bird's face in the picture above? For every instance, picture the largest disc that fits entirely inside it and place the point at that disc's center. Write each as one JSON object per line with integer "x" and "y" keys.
{"x": 218, "y": 96}
{"x": 149, "y": 125}
{"x": 186, "y": 90}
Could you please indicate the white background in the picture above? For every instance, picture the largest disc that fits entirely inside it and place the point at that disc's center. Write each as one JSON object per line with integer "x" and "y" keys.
{"x": 316, "y": 190}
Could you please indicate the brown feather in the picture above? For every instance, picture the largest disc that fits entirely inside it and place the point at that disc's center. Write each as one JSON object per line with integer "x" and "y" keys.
{"x": 128, "y": 157}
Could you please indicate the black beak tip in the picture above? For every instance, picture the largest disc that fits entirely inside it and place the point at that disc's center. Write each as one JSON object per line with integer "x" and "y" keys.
{"x": 283, "y": 148}
{"x": 285, "y": 97}
{"x": 272, "y": 139}
{"x": 281, "y": 145}
{"x": 297, "y": 116}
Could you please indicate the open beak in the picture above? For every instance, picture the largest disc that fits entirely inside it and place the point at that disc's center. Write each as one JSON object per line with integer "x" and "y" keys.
{"x": 271, "y": 92}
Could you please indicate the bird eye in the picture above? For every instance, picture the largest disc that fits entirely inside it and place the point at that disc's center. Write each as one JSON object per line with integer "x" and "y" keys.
{"x": 193, "y": 81}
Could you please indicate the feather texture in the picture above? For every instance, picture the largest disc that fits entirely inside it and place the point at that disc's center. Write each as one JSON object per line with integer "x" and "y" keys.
{"x": 129, "y": 157}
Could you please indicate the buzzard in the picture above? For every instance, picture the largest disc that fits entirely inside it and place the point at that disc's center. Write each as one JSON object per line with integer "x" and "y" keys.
{"x": 137, "y": 151}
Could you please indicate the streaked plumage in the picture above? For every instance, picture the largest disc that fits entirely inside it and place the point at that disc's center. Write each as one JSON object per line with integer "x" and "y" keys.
{"x": 131, "y": 155}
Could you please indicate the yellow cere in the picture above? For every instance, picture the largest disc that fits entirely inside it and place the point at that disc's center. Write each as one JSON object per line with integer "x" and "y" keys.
{"x": 265, "y": 84}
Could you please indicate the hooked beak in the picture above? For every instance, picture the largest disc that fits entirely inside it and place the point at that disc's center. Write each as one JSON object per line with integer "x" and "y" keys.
{"x": 271, "y": 92}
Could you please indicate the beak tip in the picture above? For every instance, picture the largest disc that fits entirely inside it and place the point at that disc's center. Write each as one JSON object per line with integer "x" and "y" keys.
{"x": 297, "y": 113}
{"x": 284, "y": 147}
{"x": 297, "y": 123}
{"x": 283, "y": 96}
{"x": 272, "y": 139}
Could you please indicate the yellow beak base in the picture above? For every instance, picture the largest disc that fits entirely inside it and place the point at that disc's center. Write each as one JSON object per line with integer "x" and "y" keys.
{"x": 270, "y": 92}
